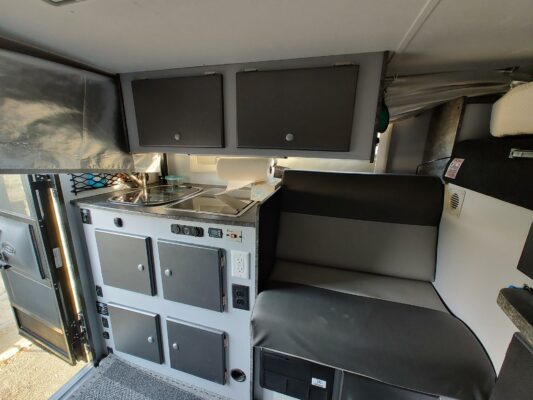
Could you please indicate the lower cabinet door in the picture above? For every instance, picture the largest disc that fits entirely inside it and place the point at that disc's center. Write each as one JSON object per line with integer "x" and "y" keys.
{"x": 192, "y": 274}
{"x": 136, "y": 332}
{"x": 197, "y": 350}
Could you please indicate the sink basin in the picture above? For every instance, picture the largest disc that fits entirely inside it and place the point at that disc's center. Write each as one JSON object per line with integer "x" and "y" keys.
{"x": 154, "y": 195}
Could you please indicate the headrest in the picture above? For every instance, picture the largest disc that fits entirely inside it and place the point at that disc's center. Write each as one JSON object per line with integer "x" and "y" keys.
{"x": 513, "y": 113}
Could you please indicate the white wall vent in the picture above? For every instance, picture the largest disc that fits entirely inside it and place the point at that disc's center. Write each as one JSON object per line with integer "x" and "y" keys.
{"x": 454, "y": 201}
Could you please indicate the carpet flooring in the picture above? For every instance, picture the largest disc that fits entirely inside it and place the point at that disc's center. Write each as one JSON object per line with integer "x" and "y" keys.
{"x": 115, "y": 379}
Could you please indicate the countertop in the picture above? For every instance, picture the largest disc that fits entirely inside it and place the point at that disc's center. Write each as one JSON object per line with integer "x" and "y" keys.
{"x": 249, "y": 218}
{"x": 518, "y": 305}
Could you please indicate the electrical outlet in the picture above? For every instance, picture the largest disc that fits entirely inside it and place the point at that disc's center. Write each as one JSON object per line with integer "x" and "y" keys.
{"x": 240, "y": 264}
{"x": 241, "y": 297}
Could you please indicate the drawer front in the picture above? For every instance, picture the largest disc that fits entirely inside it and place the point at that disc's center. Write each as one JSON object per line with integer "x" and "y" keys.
{"x": 126, "y": 261}
{"x": 136, "y": 332}
{"x": 304, "y": 109}
{"x": 197, "y": 350}
{"x": 192, "y": 274}
{"x": 181, "y": 111}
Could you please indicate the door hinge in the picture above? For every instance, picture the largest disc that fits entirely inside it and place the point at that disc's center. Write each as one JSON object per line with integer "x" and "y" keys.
{"x": 79, "y": 330}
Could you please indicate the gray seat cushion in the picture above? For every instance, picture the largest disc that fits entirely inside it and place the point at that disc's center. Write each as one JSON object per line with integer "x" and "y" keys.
{"x": 407, "y": 291}
{"x": 411, "y": 347}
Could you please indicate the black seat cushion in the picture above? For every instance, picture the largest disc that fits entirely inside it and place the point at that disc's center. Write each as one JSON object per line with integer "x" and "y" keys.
{"x": 403, "y": 345}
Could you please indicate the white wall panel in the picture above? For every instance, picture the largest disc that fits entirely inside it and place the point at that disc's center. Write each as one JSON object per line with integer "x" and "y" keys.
{"x": 477, "y": 256}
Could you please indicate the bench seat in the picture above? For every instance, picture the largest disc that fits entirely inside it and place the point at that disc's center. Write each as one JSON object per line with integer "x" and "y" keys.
{"x": 411, "y": 347}
{"x": 346, "y": 271}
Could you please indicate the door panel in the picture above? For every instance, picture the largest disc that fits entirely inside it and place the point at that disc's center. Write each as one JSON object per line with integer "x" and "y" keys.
{"x": 40, "y": 294}
{"x": 126, "y": 261}
{"x": 197, "y": 350}
{"x": 34, "y": 329}
{"x": 34, "y": 298}
{"x": 136, "y": 332}
{"x": 192, "y": 274}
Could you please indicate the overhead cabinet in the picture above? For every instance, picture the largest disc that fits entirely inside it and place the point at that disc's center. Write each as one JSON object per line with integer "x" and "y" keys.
{"x": 322, "y": 107}
{"x": 304, "y": 109}
{"x": 180, "y": 112}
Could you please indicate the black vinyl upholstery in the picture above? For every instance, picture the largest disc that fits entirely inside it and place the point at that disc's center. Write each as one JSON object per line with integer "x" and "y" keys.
{"x": 420, "y": 348}
{"x": 411, "y": 347}
{"x": 401, "y": 199}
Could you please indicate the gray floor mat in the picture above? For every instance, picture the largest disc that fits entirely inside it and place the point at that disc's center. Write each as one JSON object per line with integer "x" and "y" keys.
{"x": 115, "y": 379}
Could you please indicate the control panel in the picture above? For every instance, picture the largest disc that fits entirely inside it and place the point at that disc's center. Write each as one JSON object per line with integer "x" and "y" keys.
{"x": 187, "y": 230}
{"x": 215, "y": 233}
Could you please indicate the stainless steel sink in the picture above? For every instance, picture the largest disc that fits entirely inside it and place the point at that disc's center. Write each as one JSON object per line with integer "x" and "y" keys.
{"x": 211, "y": 202}
{"x": 154, "y": 195}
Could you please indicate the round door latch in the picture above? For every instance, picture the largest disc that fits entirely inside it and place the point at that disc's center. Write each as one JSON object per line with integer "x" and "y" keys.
{"x": 168, "y": 273}
{"x": 140, "y": 267}
{"x": 177, "y": 137}
{"x": 289, "y": 137}
{"x": 175, "y": 346}
{"x": 150, "y": 339}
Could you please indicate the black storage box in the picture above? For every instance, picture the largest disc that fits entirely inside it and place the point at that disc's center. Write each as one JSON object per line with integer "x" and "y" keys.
{"x": 294, "y": 377}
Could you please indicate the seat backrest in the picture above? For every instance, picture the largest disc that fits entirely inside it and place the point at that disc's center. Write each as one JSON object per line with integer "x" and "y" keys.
{"x": 377, "y": 223}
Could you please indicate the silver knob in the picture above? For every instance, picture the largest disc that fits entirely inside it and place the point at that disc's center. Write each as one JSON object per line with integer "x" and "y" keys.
{"x": 168, "y": 273}
{"x": 175, "y": 346}
{"x": 140, "y": 267}
{"x": 289, "y": 137}
{"x": 150, "y": 339}
{"x": 177, "y": 137}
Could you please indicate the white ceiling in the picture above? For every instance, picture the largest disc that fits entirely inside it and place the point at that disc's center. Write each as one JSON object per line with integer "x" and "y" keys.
{"x": 136, "y": 35}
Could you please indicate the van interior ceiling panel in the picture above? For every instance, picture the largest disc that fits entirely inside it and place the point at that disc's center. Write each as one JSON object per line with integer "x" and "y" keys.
{"x": 298, "y": 200}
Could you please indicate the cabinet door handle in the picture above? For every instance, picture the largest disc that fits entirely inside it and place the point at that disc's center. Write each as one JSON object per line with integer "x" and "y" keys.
{"x": 168, "y": 273}
{"x": 150, "y": 339}
{"x": 177, "y": 137}
{"x": 289, "y": 137}
{"x": 140, "y": 267}
{"x": 175, "y": 346}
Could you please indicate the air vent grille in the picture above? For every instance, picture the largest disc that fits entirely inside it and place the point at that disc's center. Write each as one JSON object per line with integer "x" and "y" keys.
{"x": 454, "y": 201}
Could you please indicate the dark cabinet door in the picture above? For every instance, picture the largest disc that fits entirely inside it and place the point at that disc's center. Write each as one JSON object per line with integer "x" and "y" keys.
{"x": 126, "y": 261}
{"x": 197, "y": 350}
{"x": 192, "y": 274}
{"x": 182, "y": 112}
{"x": 136, "y": 332}
{"x": 305, "y": 109}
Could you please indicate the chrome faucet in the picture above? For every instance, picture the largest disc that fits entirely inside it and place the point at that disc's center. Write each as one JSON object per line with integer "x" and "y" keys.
{"x": 140, "y": 180}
